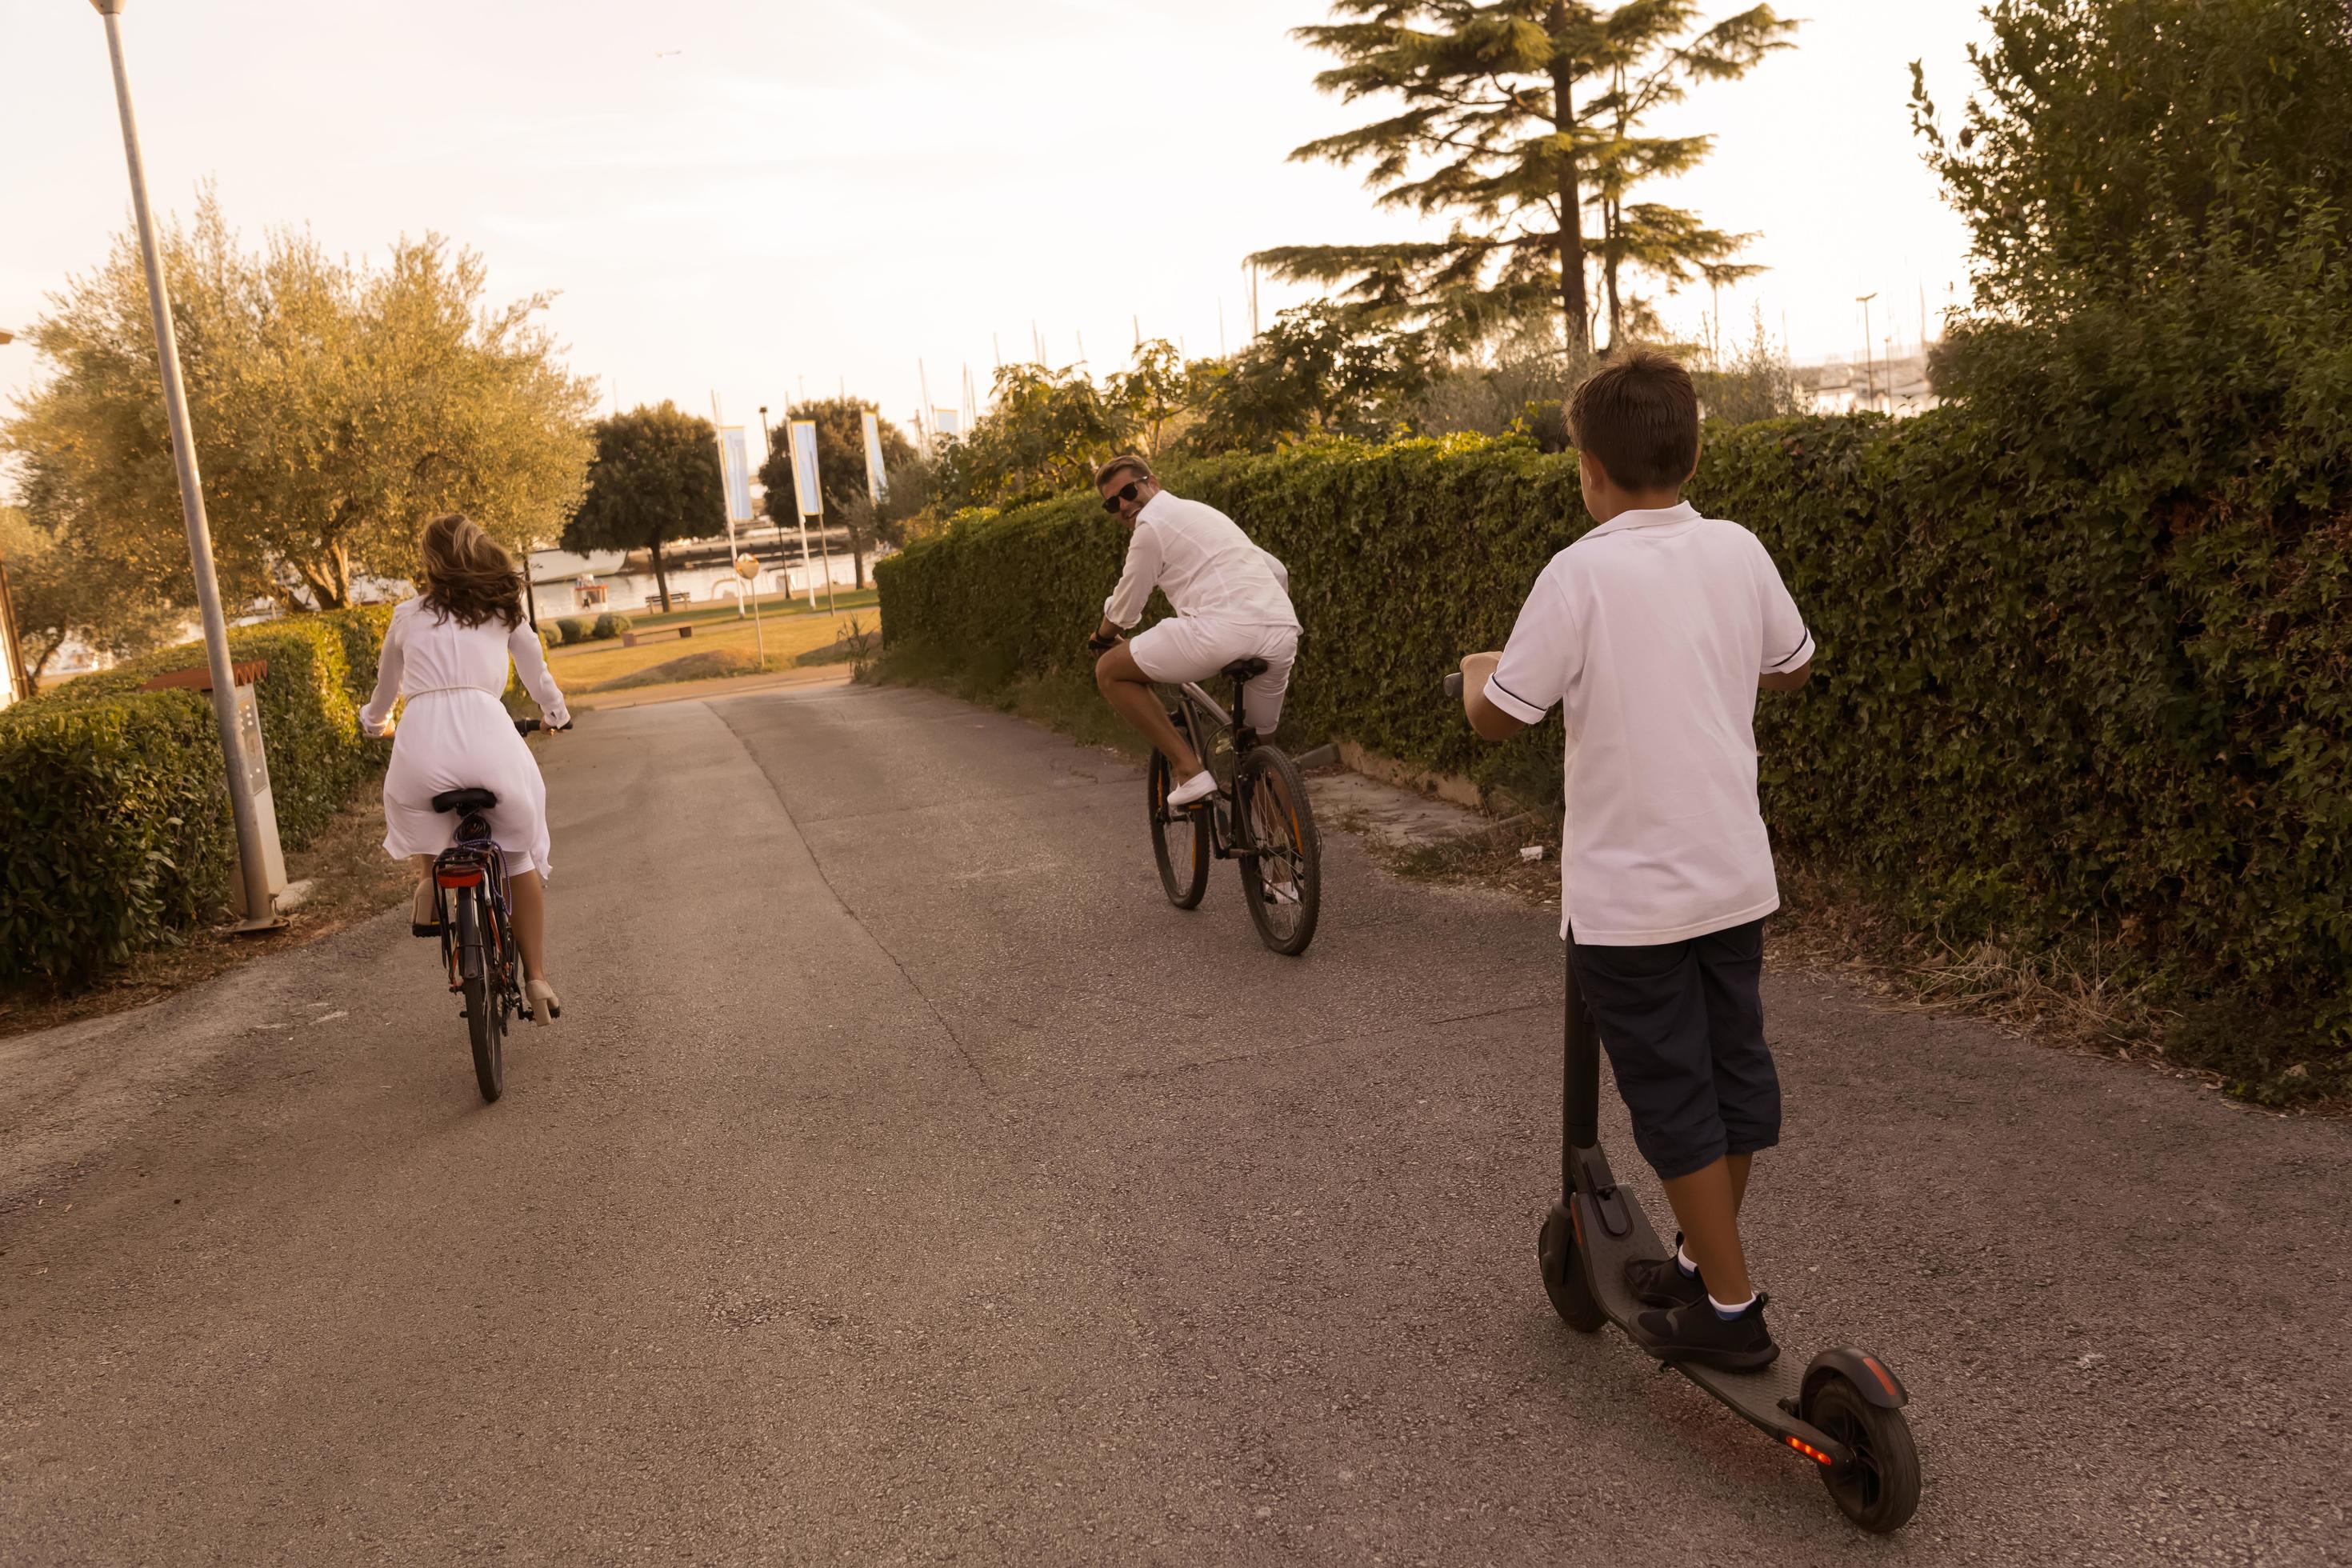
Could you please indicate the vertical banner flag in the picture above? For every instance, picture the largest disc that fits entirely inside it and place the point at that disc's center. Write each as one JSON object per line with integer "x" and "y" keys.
{"x": 735, "y": 463}
{"x": 809, "y": 494}
{"x": 877, "y": 483}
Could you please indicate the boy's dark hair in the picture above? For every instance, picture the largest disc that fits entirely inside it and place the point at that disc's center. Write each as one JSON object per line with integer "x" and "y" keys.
{"x": 1638, "y": 415}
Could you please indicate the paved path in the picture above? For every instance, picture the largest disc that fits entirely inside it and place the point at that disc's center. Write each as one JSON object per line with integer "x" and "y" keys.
{"x": 907, "y": 1183}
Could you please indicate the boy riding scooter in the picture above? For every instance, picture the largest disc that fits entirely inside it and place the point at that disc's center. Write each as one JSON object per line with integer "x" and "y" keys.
{"x": 1653, "y": 632}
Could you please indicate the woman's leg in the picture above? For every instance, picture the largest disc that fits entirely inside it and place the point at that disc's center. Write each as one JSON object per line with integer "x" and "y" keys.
{"x": 423, "y": 907}
{"x": 527, "y": 898}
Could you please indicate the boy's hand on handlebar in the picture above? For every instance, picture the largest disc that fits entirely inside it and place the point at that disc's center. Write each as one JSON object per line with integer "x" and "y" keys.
{"x": 1100, "y": 643}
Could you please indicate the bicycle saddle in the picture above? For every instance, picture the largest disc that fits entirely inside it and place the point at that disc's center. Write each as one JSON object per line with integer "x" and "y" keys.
{"x": 463, "y": 800}
{"x": 1245, "y": 668}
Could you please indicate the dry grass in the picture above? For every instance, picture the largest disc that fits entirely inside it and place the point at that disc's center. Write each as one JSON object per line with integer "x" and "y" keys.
{"x": 350, "y": 879}
{"x": 2091, "y": 996}
{"x": 597, "y": 666}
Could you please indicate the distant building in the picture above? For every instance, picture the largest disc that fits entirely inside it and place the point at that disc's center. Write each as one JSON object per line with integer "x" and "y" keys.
{"x": 563, "y": 583}
{"x": 1897, "y": 386}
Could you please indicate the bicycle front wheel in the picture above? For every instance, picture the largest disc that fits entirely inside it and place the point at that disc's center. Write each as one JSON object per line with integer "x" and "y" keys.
{"x": 486, "y": 1021}
{"x": 1180, "y": 840}
{"x": 1281, "y": 853}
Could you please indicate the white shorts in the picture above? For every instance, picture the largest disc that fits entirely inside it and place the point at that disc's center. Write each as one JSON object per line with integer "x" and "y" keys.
{"x": 1188, "y": 647}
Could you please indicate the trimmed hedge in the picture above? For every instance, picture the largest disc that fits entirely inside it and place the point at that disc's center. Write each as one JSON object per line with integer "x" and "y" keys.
{"x": 115, "y": 829}
{"x": 2039, "y": 709}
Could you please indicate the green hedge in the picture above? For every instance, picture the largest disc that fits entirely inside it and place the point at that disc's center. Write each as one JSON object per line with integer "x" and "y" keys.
{"x": 2038, "y": 709}
{"x": 114, "y": 803}
{"x": 114, "y": 829}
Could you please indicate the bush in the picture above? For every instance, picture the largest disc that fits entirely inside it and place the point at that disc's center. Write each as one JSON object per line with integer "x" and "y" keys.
{"x": 573, "y": 628}
{"x": 611, "y": 623}
{"x": 114, "y": 829}
{"x": 2042, "y": 708}
{"x": 115, "y": 803}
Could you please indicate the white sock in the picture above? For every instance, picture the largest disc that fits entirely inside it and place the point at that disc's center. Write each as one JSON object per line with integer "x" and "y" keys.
{"x": 1684, "y": 1261}
{"x": 1731, "y": 1308}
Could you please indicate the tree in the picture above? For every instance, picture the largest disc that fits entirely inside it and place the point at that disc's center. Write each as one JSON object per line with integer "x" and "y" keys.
{"x": 841, "y": 472}
{"x": 2157, "y": 194}
{"x": 655, "y": 478}
{"x": 1517, "y": 115}
{"x": 1160, "y": 396}
{"x": 1045, "y": 431}
{"x": 1322, "y": 370}
{"x": 336, "y": 407}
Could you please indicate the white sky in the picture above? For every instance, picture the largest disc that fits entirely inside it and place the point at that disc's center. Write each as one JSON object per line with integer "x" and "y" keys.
{"x": 813, "y": 195}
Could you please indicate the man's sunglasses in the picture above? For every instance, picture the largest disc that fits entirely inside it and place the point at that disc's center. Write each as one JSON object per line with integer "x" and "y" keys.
{"x": 1125, "y": 492}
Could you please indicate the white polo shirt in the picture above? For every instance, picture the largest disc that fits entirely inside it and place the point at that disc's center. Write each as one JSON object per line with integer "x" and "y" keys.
{"x": 1650, "y": 632}
{"x": 1205, "y": 564}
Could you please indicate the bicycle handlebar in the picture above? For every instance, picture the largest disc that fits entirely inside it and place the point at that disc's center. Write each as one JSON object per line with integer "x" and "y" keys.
{"x": 525, "y": 726}
{"x": 1454, "y": 685}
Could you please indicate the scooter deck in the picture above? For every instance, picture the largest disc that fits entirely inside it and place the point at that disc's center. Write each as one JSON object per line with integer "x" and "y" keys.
{"x": 1770, "y": 1399}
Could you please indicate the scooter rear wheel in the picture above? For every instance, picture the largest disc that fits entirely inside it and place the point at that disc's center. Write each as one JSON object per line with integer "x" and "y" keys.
{"x": 1563, "y": 1273}
{"x": 1880, "y": 1489}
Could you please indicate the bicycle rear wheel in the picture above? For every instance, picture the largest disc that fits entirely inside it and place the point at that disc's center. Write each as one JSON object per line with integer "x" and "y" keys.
{"x": 1281, "y": 853}
{"x": 486, "y": 1010}
{"x": 1180, "y": 840}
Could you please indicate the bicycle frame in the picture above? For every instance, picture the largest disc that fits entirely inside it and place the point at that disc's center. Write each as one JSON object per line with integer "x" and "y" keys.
{"x": 1223, "y": 837}
{"x": 475, "y": 860}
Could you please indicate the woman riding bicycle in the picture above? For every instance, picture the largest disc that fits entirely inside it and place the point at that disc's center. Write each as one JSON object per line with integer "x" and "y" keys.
{"x": 446, "y": 652}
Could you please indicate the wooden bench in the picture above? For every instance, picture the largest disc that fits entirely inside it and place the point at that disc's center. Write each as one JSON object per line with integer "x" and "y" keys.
{"x": 631, "y": 639}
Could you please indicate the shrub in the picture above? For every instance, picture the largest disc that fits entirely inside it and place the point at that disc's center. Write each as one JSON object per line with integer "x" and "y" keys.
{"x": 122, "y": 790}
{"x": 114, "y": 829}
{"x": 611, "y": 623}
{"x": 2042, "y": 706}
{"x": 573, "y": 628}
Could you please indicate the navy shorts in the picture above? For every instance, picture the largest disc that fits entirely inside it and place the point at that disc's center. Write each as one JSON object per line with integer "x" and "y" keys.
{"x": 1683, "y": 1026}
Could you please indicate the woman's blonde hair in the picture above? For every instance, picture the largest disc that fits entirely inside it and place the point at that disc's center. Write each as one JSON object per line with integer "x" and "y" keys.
{"x": 468, "y": 575}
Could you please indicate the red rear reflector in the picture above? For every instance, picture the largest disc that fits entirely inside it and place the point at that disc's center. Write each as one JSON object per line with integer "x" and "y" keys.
{"x": 458, "y": 879}
{"x": 1879, "y": 1373}
{"x": 1809, "y": 1451}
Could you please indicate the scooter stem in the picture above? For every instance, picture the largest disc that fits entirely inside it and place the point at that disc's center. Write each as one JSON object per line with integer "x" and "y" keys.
{"x": 1580, "y": 1091}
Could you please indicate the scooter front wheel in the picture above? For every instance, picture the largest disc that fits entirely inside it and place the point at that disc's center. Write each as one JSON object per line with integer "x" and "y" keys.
{"x": 1879, "y": 1487}
{"x": 1563, "y": 1273}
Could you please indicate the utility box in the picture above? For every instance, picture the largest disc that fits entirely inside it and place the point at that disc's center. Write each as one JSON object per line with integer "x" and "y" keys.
{"x": 255, "y": 776}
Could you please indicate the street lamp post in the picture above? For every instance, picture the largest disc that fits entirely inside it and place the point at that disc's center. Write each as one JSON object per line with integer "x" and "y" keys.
{"x": 1870, "y": 374}
{"x": 261, "y": 905}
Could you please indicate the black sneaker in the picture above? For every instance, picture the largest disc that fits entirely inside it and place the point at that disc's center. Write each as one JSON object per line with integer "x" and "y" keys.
{"x": 1699, "y": 1333}
{"x": 1661, "y": 1282}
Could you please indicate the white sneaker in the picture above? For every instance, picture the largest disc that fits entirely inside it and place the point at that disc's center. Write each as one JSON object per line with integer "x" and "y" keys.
{"x": 1192, "y": 791}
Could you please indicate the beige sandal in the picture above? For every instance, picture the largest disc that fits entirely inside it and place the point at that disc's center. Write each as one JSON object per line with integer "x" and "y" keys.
{"x": 546, "y": 1006}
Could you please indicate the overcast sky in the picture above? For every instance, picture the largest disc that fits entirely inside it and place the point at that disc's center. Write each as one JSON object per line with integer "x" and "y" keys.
{"x": 812, "y": 195}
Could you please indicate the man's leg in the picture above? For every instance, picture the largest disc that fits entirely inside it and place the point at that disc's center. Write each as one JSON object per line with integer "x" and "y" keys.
{"x": 1129, "y": 692}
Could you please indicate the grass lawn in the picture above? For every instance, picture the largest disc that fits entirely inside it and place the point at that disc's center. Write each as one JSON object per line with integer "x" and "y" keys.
{"x": 591, "y": 665}
{"x": 769, "y": 605}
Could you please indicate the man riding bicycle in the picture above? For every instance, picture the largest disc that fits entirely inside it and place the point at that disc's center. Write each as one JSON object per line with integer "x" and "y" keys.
{"x": 1232, "y": 601}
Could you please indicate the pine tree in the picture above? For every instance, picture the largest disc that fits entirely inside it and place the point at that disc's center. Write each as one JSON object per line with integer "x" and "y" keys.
{"x": 1517, "y": 116}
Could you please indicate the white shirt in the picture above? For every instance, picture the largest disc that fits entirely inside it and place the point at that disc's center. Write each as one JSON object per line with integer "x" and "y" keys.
{"x": 1205, "y": 564}
{"x": 1650, "y": 632}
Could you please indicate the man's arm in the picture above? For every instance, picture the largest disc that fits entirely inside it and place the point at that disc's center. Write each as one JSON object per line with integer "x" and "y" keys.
{"x": 1142, "y": 575}
{"x": 1785, "y": 680}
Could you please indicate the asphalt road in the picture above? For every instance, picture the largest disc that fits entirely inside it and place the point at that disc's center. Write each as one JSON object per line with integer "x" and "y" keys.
{"x": 907, "y": 1182}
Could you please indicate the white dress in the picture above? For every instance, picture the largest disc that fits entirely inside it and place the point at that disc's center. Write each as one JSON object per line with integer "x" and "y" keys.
{"x": 456, "y": 734}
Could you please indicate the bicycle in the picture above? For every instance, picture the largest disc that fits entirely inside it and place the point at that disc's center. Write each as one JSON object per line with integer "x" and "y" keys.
{"x": 477, "y": 945}
{"x": 1260, "y": 815}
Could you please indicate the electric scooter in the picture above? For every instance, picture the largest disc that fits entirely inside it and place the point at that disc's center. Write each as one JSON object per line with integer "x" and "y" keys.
{"x": 1843, "y": 1411}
